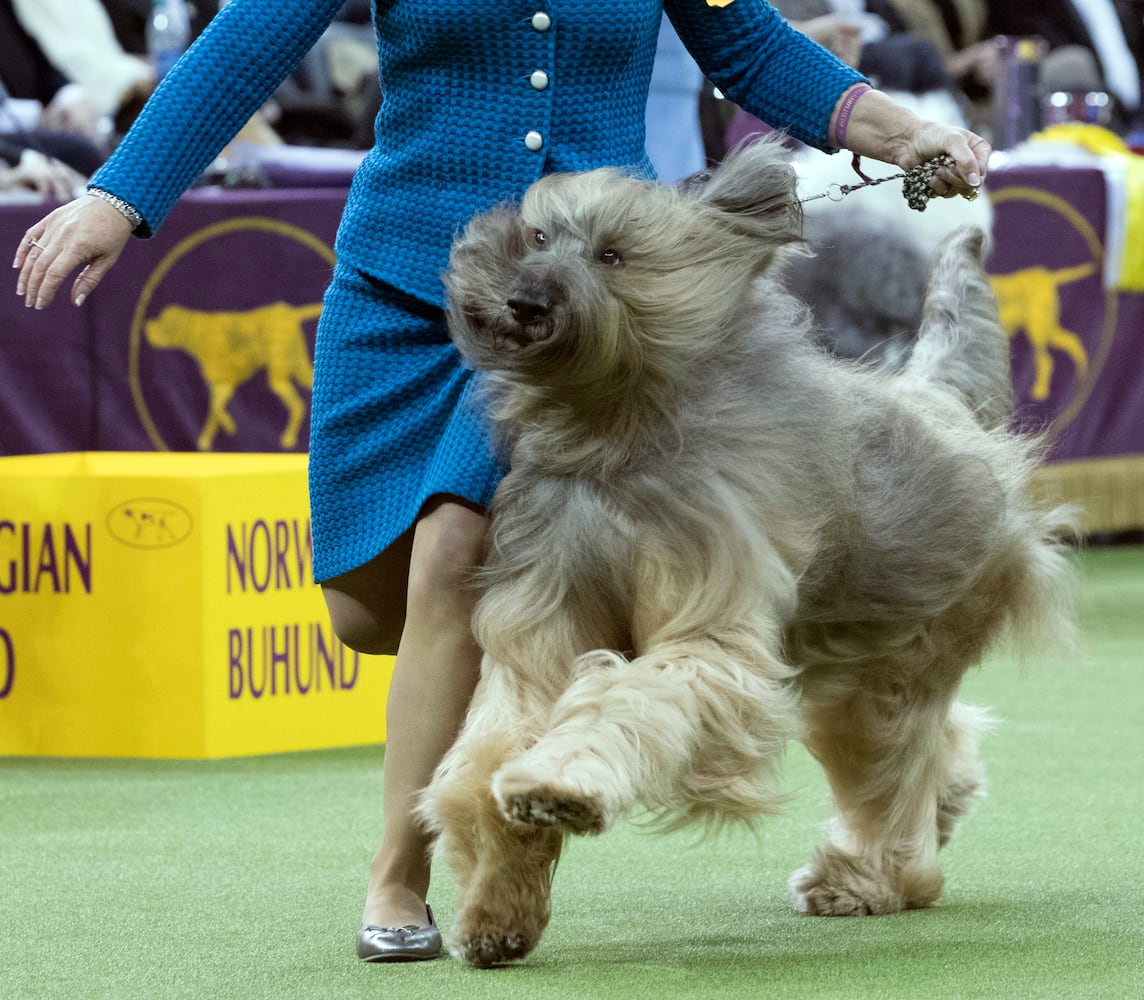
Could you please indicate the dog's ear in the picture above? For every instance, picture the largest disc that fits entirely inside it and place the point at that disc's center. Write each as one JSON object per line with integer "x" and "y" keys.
{"x": 756, "y": 189}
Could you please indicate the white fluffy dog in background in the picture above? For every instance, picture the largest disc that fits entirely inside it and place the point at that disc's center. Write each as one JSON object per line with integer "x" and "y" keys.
{"x": 715, "y": 538}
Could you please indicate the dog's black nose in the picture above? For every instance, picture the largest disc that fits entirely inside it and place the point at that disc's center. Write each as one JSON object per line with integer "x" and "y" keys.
{"x": 529, "y": 305}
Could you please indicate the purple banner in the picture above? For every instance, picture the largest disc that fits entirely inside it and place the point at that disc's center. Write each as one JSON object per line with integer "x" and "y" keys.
{"x": 1077, "y": 349}
{"x": 200, "y": 339}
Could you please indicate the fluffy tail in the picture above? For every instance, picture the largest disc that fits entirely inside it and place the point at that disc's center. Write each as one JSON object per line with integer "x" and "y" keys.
{"x": 961, "y": 342}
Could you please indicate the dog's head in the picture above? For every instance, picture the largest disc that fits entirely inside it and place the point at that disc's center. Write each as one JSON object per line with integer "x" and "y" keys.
{"x": 599, "y": 279}
{"x": 168, "y": 329}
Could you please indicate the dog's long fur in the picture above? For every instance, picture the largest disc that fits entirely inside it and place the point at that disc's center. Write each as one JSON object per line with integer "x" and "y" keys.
{"x": 714, "y": 538}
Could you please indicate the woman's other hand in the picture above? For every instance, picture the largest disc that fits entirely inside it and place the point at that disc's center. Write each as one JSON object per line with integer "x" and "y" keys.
{"x": 87, "y": 233}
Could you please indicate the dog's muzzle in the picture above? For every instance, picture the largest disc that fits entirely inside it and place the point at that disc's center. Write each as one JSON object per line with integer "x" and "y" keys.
{"x": 530, "y": 305}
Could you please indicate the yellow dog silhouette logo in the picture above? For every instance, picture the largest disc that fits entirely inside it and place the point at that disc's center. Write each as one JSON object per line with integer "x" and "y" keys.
{"x": 232, "y": 347}
{"x": 1029, "y": 300}
{"x": 1060, "y": 318}
{"x": 232, "y": 344}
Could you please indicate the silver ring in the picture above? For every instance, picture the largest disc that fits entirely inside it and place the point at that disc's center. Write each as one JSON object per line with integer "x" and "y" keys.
{"x": 33, "y": 242}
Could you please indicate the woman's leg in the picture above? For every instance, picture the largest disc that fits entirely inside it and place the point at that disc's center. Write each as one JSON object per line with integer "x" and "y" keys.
{"x": 418, "y": 589}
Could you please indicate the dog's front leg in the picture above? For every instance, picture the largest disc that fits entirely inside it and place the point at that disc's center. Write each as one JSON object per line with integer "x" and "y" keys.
{"x": 503, "y": 870}
{"x": 695, "y": 728}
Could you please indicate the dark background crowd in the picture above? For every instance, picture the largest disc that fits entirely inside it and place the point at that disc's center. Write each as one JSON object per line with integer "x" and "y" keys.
{"x": 85, "y": 96}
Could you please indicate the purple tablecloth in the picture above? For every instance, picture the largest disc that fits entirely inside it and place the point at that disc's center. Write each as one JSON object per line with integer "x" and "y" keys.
{"x": 234, "y": 280}
{"x": 1077, "y": 350}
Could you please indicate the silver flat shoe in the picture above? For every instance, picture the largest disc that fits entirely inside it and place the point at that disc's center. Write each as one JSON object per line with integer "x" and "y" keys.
{"x": 400, "y": 944}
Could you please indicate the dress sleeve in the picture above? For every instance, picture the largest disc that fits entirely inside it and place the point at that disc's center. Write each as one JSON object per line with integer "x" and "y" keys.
{"x": 230, "y": 71}
{"x": 749, "y": 51}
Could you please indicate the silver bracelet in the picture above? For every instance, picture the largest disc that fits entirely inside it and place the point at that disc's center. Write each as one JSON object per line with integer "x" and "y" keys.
{"x": 126, "y": 209}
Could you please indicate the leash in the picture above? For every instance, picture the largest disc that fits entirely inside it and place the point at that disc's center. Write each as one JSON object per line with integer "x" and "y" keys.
{"x": 915, "y": 183}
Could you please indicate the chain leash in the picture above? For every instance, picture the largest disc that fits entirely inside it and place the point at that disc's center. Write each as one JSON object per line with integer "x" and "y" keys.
{"x": 915, "y": 183}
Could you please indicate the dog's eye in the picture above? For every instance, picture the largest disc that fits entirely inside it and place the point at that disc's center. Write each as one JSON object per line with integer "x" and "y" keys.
{"x": 610, "y": 256}
{"x": 539, "y": 238}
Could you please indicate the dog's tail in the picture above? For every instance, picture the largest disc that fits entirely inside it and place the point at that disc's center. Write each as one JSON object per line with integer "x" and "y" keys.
{"x": 961, "y": 342}
{"x": 963, "y": 347}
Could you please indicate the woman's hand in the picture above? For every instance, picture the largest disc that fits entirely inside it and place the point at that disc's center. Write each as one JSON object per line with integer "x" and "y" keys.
{"x": 86, "y": 233}
{"x": 885, "y": 131}
{"x": 970, "y": 154}
{"x": 979, "y": 63}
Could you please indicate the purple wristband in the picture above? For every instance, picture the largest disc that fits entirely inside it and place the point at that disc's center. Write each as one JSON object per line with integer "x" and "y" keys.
{"x": 843, "y": 118}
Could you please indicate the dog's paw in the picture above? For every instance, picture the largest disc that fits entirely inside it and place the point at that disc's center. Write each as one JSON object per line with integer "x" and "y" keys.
{"x": 546, "y": 806}
{"x": 817, "y": 897}
{"x": 487, "y": 949}
{"x": 530, "y": 802}
{"x": 836, "y": 884}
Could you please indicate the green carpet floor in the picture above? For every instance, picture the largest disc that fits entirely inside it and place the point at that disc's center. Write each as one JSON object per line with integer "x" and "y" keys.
{"x": 244, "y": 878}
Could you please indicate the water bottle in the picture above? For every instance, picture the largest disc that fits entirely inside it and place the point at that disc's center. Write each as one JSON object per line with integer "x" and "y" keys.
{"x": 1017, "y": 91}
{"x": 168, "y": 34}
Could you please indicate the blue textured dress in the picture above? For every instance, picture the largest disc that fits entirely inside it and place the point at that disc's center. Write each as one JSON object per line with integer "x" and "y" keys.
{"x": 481, "y": 97}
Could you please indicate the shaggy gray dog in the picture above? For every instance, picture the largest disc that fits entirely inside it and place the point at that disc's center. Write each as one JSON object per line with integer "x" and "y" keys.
{"x": 715, "y": 538}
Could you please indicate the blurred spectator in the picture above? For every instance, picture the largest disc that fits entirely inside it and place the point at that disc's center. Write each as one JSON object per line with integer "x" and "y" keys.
{"x": 1112, "y": 31}
{"x": 24, "y": 168}
{"x": 963, "y": 33}
{"x": 26, "y": 72}
{"x": 914, "y": 58}
{"x": 956, "y": 29}
{"x": 129, "y": 20}
{"x": 67, "y": 56}
{"x": 844, "y": 34}
{"x": 332, "y": 98}
{"x": 31, "y": 150}
{"x": 18, "y": 134}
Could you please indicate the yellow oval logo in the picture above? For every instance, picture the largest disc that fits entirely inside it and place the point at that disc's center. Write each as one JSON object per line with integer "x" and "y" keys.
{"x": 226, "y": 353}
{"x": 1056, "y": 365}
{"x": 150, "y": 523}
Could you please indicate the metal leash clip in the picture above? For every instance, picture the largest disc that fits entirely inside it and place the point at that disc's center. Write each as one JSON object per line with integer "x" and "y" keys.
{"x": 915, "y": 183}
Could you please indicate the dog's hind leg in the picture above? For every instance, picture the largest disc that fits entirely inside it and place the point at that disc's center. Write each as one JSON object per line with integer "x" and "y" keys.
{"x": 901, "y": 758}
{"x": 688, "y": 728}
{"x": 503, "y": 870}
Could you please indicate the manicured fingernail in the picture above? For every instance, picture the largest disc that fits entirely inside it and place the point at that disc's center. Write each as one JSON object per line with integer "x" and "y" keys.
{"x": 20, "y": 288}
{"x": 974, "y": 179}
{"x": 39, "y": 303}
{"x": 79, "y": 299}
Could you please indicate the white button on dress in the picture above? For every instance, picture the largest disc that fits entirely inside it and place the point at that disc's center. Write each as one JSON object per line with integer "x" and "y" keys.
{"x": 534, "y": 140}
{"x": 539, "y": 80}
{"x": 541, "y": 21}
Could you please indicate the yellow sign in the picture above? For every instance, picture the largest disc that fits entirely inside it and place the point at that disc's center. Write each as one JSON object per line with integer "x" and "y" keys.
{"x": 162, "y": 605}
